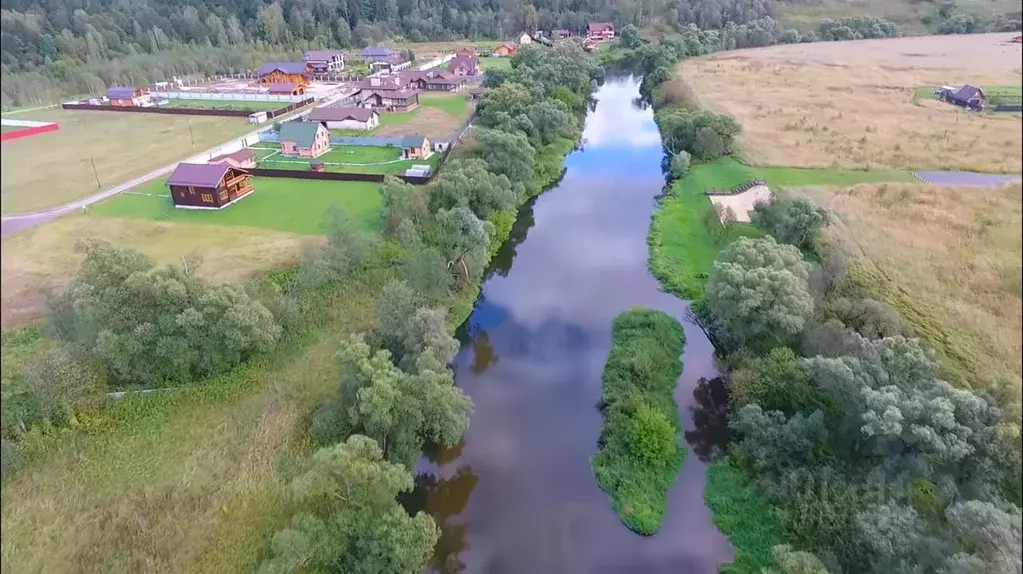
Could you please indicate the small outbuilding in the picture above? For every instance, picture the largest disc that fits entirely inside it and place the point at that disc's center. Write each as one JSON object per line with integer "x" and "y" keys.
{"x": 243, "y": 158}
{"x": 304, "y": 139}
{"x": 968, "y": 96}
{"x": 477, "y": 92}
{"x": 208, "y": 185}
{"x": 506, "y": 50}
{"x": 415, "y": 147}
{"x": 350, "y": 118}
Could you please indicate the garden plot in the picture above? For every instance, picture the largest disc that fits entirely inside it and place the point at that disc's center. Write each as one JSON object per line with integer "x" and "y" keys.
{"x": 344, "y": 159}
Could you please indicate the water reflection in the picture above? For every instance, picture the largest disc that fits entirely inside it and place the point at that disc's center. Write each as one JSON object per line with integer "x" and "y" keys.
{"x": 710, "y": 416}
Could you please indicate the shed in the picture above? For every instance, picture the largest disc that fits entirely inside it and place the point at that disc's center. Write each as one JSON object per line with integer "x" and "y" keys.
{"x": 968, "y": 97}
{"x": 208, "y": 185}
{"x": 415, "y": 147}
{"x": 348, "y": 118}
{"x": 304, "y": 139}
{"x": 477, "y": 92}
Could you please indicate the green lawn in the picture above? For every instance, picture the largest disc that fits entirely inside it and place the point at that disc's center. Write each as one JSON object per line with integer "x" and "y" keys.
{"x": 994, "y": 94}
{"x": 291, "y": 205}
{"x": 225, "y": 105}
{"x": 454, "y": 104}
{"x": 685, "y": 238}
{"x": 742, "y": 514}
{"x": 492, "y": 63}
{"x": 347, "y": 159}
{"x": 386, "y": 119}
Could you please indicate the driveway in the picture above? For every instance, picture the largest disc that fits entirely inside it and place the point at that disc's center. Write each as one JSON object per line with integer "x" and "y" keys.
{"x": 965, "y": 178}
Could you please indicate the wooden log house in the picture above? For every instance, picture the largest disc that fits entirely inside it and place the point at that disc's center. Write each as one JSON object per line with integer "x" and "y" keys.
{"x": 208, "y": 185}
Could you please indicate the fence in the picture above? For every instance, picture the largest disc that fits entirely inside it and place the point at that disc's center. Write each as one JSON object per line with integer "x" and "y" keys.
{"x": 737, "y": 189}
{"x": 334, "y": 176}
{"x": 438, "y": 62}
{"x": 273, "y": 137}
{"x": 270, "y": 114}
{"x": 230, "y": 97}
{"x": 1008, "y": 108}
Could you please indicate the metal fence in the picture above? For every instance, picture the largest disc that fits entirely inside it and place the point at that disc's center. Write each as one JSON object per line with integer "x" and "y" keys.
{"x": 230, "y": 97}
{"x": 270, "y": 114}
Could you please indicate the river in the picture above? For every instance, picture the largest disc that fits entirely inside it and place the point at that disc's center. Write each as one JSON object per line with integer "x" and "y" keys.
{"x": 518, "y": 495}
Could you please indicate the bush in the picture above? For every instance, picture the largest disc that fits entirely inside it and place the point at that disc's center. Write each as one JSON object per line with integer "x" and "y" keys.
{"x": 653, "y": 439}
{"x": 794, "y": 221}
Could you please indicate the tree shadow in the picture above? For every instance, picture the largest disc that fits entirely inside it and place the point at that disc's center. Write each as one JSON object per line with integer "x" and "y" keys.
{"x": 710, "y": 416}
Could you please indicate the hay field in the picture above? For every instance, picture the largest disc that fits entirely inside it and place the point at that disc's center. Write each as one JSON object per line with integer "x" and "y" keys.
{"x": 849, "y": 104}
{"x": 44, "y": 256}
{"x": 947, "y": 258}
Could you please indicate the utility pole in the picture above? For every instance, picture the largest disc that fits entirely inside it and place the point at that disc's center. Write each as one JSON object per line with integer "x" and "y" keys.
{"x": 191, "y": 134}
{"x": 95, "y": 172}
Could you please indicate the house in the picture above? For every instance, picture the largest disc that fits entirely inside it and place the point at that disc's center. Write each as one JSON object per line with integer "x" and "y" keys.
{"x": 525, "y": 38}
{"x": 285, "y": 73}
{"x": 467, "y": 51}
{"x": 967, "y": 96}
{"x": 375, "y": 53}
{"x": 476, "y": 93}
{"x": 415, "y": 147}
{"x": 243, "y": 159}
{"x": 445, "y": 82}
{"x": 600, "y": 31}
{"x": 324, "y": 61}
{"x": 128, "y": 96}
{"x": 345, "y": 118}
{"x": 286, "y": 89}
{"x": 208, "y": 185}
{"x": 560, "y": 34}
{"x": 389, "y": 99}
{"x": 506, "y": 50}
{"x": 304, "y": 139}
{"x": 464, "y": 66}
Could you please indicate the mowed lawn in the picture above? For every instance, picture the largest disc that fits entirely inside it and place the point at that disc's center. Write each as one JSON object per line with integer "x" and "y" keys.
{"x": 685, "y": 236}
{"x": 225, "y": 104}
{"x": 438, "y": 114}
{"x": 492, "y": 63}
{"x": 52, "y": 169}
{"x": 291, "y": 205}
{"x": 348, "y": 159}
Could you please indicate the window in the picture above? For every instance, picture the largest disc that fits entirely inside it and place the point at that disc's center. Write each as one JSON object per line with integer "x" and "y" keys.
{"x": 191, "y": 190}
{"x": 222, "y": 195}
{"x": 207, "y": 198}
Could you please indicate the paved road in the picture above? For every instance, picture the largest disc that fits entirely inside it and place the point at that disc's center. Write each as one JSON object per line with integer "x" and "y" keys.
{"x": 964, "y": 178}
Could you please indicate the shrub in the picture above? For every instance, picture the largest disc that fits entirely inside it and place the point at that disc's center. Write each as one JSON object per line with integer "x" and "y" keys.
{"x": 653, "y": 438}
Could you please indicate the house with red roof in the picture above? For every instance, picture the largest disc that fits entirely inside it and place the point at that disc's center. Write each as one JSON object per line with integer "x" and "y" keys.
{"x": 208, "y": 185}
{"x": 285, "y": 73}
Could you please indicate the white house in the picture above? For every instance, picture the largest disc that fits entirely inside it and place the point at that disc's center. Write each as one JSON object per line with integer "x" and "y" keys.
{"x": 525, "y": 38}
{"x": 345, "y": 118}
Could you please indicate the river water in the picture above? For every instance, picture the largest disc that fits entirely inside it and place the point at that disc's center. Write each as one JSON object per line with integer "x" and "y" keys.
{"x": 517, "y": 495}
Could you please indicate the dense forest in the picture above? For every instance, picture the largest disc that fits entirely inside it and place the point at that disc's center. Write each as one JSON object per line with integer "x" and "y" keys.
{"x": 60, "y": 48}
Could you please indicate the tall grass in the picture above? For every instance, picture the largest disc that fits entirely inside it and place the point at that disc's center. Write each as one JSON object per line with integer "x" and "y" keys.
{"x": 641, "y": 373}
{"x": 744, "y": 515}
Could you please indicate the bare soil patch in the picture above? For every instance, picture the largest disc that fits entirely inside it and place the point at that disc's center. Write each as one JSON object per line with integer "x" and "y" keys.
{"x": 742, "y": 204}
{"x": 848, "y": 104}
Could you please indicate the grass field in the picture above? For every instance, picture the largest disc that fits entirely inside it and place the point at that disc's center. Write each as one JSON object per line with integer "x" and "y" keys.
{"x": 438, "y": 115}
{"x": 849, "y": 104}
{"x": 348, "y": 159}
{"x": 225, "y": 105}
{"x": 45, "y": 256}
{"x": 5, "y": 129}
{"x": 947, "y": 259}
{"x": 290, "y": 205}
{"x": 685, "y": 238}
{"x": 908, "y": 14}
{"x": 743, "y": 514}
{"x": 54, "y": 168}
{"x": 994, "y": 94}
{"x": 492, "y": 63}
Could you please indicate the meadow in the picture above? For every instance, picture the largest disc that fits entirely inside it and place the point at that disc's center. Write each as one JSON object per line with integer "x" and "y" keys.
{"x": 850, "y": 104}
{"x": 51, "y": 169}
{"x": 492, "y": 63}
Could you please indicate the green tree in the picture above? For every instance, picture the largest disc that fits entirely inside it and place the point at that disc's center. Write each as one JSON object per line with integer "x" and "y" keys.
{"x": 467, "y": 183}
{"x": 347, "y": 520}
{"x": 507, "y": 154}
{"x": 790, "y": 561}
{"x": 794, "y": 221}
{"x": 777, "y": 381}
{"x": 463, "y": 240}
{"x": 757, "y": 292}
{"x": 652, "y": 437}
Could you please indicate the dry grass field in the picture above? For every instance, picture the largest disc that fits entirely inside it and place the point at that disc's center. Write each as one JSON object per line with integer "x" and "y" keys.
{"x": 52, "y": 169}
{"x": 947, "y": 258}
{"x": 44, "y": 256}
{"x": 849, "y": 104}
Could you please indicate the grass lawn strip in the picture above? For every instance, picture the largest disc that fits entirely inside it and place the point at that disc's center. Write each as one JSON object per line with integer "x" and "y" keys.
{"x": 994, "y": 94}
{"x": 685, "y": 237}
{"x": 292, "y": 205}
{"x": 350, "y": 159}
{"x": 453, "y": 104}
{"x": 744, "y": 515}
{"x": 641, "y": 373}
{"x": 225, "y": 104}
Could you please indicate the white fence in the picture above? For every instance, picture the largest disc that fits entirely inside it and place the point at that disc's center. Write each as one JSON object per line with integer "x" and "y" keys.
{"x": 435, "y": 63}
{"x": 236, "y": 97}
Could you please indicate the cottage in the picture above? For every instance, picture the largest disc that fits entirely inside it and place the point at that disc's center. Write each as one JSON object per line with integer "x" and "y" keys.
{"x": 415, "y": 147}
{"x": 561, "y": 34}
{"x": 375, "y": 53}
{"x": 286, "y": 89}
{"x": 445, "y": 82}
{"x": 600, "y": 31}
{"x": 285, "y": 73}
{"x": 525, "y": 38}
{"x": 467, "y": 51}
{"x": 128, "y": 96}
{"x": 208, "y": 185}
{"x": 243, "y": 159}
{"x": 345, "y": 118}
{"x": 968, "y": 96}
{"x": 464, "y": 66}
{"x": 506, "y": 50}
{"x": 325, "y": 61}
{"x": 304, "y": 139}
{"x": 390, "y": 100}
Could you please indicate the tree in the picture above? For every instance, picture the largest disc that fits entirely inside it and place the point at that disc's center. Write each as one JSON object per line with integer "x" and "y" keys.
{"x": 757, "y": 292}
{"x": 347, "y": 520}
{"x": 630, "y": 37}
{"x": 552, "y": 121}
{"x": 403, "y": 202}
{"x": 794, "y": 221}
{"x": 774, "y": 442}
{"x": 395, "y": 305}
{"x": 790, "y": 561}
{"x": 507, "y": 154}
{"x": 777, "y": 381}
{"x": 463, "y": 240}
{"x": 467, "y": 183}
{"x": 652, "y": 437}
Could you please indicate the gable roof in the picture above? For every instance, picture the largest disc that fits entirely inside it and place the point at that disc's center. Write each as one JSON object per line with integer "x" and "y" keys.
{"x": 413, "y": 141}
{"x": 321, "y": 55}
{"x": 599, "y": 26}
{"x": 967, "y": 93}
{"x": 375, "y": 52}
{"x": 240, "y": 156}
{"x": 464, "y": 61}
{"x": 286, "y": 67}
{"x": 302, "y": 133}
{"x": 561, "y": 32}
{"x": 512, "y": 46}
{"x": 283, "y": 88}
{"x": 120, "y": 92}
{"x": 198, "y": 174}
{"x": 326, "y": 114}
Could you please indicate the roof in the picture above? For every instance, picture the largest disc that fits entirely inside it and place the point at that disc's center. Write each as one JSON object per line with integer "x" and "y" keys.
{"x": 477, "y": 90}
{"x": 393, "y": 93}
{"x": 283, "y": 88}
{"x": 240, "y": 156}
{"x": 198, "y": 174}
{"x": 509, "y": 45}
{"x": 286, "y": 67}
{"x": 966, "y": 93}
{"x": 561, "y": 32}
{"x": 467, "y": 61}
{"x": 375, "y": 51}
{"x": 326, "y": 114}
{"x": 321, "y": 55}
{"x": 446, "y": 79}
{"x": 120, "y": 92}
{"x": 302, "y": 133}
{"x": 413, "y": 141}
{"x": 598, "y": 26}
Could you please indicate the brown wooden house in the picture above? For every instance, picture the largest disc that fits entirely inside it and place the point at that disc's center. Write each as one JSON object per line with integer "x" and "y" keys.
{"x": 208, "y": 185}
{"x": 127, "y": 96}
{"x": 297, "y": 73}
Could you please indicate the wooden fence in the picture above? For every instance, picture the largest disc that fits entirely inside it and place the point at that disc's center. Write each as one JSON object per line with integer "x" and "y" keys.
{"x": 737, "y": 189}
{"x": 270, "y": 114}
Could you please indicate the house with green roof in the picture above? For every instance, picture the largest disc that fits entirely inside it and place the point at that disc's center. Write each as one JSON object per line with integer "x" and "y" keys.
{"x": 304, "y": 139}
{"x": 415, "y": 147}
